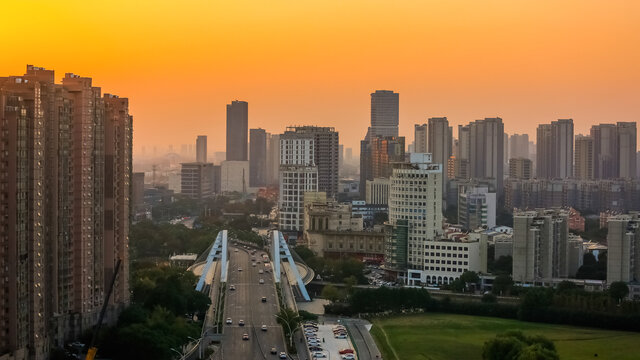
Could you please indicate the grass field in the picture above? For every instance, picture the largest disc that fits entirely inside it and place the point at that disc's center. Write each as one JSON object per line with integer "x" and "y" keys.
{"x": 448, "y": 336}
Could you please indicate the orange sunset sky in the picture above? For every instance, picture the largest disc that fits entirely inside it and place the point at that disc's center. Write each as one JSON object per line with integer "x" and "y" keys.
{"x": 316, "y": 62}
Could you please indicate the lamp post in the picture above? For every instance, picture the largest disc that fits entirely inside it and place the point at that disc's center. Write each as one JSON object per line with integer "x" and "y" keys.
{"x": 286, "y": 322}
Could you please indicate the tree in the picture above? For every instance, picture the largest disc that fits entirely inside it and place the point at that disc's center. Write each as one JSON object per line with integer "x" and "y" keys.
{"x": 289, "y": 320}
{"x": 618, "y": 290}
{"x": 501, "y": 284}
{"x": 514, "y": 345}
{"x": 330, "y": 293}
{"x": 489, "y": 298}
{"x": 566, "y": 286}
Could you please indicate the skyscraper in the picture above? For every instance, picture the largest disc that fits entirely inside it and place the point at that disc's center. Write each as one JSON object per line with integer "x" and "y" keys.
{"x": 627, "y": 146}
{"x": 583, "y": 163}
{"x": 415, "y": 208}
{"x": 555, "y": 149}
{"x": 325, "y": 154}
{"x": 484, "y": 148}
{"x": 258, "y": 158}
{"x": 420, "y": 138}
{"x": 384, "y": 123}
{"x": 65, "y": 185}
{"x": 519, "y": 146}
{"x": 440, "y": 145}
{"x": 541, "y": 246}
{"x": 520, "y": 168}
{"x": 614, "y": 150}
{"x": 377, "y": 156}
{"x": 605, "y": 149}
{"x": 384, "y": 113}
{"x": 237, "y": 128}
{"x": 298, "y": 174}
{"x": 273, "y": 158}
{"x": 201, "y": 149}
{"x": 623, "y": 240}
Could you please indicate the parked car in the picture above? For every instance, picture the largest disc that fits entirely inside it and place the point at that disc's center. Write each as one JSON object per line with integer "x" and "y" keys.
{"x": 346, "y": 351}
{"x": 348, "y": 357}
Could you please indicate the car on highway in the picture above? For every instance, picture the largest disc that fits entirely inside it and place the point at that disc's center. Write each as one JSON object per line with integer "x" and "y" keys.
{"x": 273, "y": 351}
{"x": 232, "y": 287}
{"x": 264, "y": 328}
{"x": 264, "y": 299}
{"x": 261, "y": 281}
{"x": 260, "y": 271}
{"x": 348, "y": 357}
{"x": 241, "y": 322}
{"x": 245, "y": 336}
{"x": 229, "y": 321}
{"x": 239, "y": 269}
{"x": 318, "y": 354}
{"x": 253, "y": 264}
{"x": 235, "y": 250}
{"x": 282, "y": 355}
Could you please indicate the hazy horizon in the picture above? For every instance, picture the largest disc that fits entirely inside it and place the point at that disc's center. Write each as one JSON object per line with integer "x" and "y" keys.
{"x": 317, "y": 62}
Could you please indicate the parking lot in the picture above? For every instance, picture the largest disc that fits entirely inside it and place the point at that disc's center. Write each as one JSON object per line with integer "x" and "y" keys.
{"x": 331, "y": 346}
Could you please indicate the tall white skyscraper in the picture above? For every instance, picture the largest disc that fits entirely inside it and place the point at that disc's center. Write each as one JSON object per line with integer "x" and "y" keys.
{"x": 415, "y": 199}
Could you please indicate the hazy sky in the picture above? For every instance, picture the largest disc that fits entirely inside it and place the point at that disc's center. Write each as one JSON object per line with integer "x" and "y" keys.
{"x": 316, "y": 62}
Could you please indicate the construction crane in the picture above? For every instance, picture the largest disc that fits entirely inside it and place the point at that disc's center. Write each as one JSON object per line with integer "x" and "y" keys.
{"x": 91, "y": 353}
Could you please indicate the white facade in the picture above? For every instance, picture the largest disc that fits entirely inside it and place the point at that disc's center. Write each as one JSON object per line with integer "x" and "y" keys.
{"x": 298, "y": 174}
{"x": 416, "y": 196}
{"x": 445, "y": 261}
{"x": 378, "y": 191}
{"x": 234, "y": 176}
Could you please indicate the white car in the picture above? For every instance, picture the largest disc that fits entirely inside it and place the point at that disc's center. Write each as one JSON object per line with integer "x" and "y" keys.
{"x": 318, "y": 354}
{"x": 342, "y": 336}
{"x": 229, "y": 321}
{"x": 264, "y": 327}
{"x": 348, "y": 357}
{"x": 239, "y": 269}
{"x": 260, "y": 271}
{"x": 261, "y": 281}
{"x": 283, "y": 355}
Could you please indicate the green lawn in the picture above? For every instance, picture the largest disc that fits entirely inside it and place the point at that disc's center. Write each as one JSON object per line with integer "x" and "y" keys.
{"x": 447, "y": 336}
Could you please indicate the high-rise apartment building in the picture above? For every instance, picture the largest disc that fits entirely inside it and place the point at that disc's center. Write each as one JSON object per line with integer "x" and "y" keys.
{"x": 298, "y": 175}
{"x": 258, "y": 158}
{"x": 420, "y": 138}
{"x": 65, "y": 185}
{"x": 555, "y": 150}
{"x": 519, "y": 146}
{"x": 273, "y": 158}
{"x": 482, "y": 143}
{"x": 520, "y": 168}
{"x": 542, "y": 246}
{"x": 384, "y": 113}
{"x": 623, "y": 240}
{"x": 415, "y": 199}
{"x": 627, "y": 147}
{"x": 583, "y": 163}
{"x": 325, "y": 154}
{"x": 605, "y": 151}
{"x": 237, "y": 128}
{"x": 201, "y": 149}
{"x": 439, "y": 145}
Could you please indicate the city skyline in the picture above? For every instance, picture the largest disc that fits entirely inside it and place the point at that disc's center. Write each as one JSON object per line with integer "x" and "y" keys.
{"x": 494, "y": 60}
